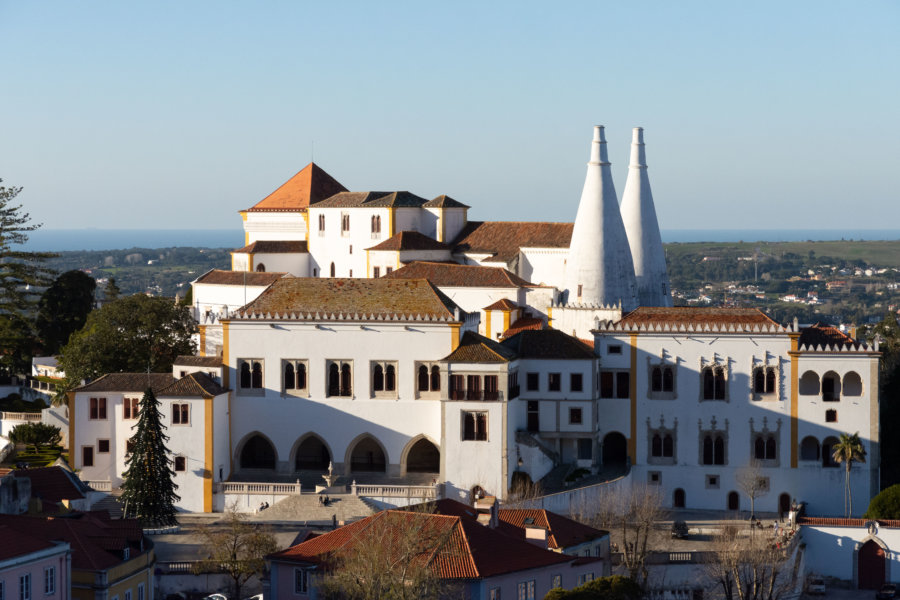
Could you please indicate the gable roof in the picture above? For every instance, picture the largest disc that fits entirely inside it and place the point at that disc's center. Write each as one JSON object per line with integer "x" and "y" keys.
{"x": 222, "y": 277}
{"x": 524, "y": 324}
{"x": 309, "y": 186}
{"x": 824, "y": 335}
{"x": 476, "y": 348}
{"x": 19, "y": 543}
{"x": 469, "y": 550}
{"x": 274, "y": 247}
{"x": 562, "y": 532}
{"x": 409, "y": 240}
{"x": 53, "y": 484}
{"x": 444, "y": 201}
{"x": 128, "y": 382}
{"x": 351, "y": 299}
{"x": 456, "y": 275}
{"x": 503, "y": 239}
{"x": 372, "y": 200}
{"x": 547, "y": 344}
{"x": 198, "y": 361}
{"x": 502, "y": 304}
{"x": 741, "y": 318}
{"x": 196, "y": 385}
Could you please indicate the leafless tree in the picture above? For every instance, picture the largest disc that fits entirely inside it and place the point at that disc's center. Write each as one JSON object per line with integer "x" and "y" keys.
{"x": 236, "y": 547}
{"x": 749, "y": 567}
{"x": 396, "y": 556}
{"x": 752, "y": 482}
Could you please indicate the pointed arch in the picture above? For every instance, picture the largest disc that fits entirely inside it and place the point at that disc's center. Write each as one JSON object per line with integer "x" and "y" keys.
{"x": 420, "y": 455}
{"x": 365, "y": 453}
{"x": 311, "y": 452}
{"x": 256, "y": 451}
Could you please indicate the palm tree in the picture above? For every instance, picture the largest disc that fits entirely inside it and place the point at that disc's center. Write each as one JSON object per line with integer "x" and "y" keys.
{"x": 849, "y": 448}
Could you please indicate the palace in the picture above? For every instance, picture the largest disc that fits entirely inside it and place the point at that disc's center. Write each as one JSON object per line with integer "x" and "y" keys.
{"x": 389, "y": 336}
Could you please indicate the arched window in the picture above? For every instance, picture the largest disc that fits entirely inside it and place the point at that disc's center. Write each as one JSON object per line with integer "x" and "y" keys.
{"x": 668, "y": 379}
{"x": 720, "y": 383}
{"x": 828, "y": 452}
{"x": 714, "y": 383}
{"x": 656, "y": 380}
{"x": 656, "y": 445}
{"x": 321, "y": 223}
{"x": 334, "y": 380}
{"x": 301, "y": 376}
{"x": 260, "y": 268}
{"x": 346, "y": 387}
{"x": 332, "y": 269}
{"x": 759, "y": 448}
{"x": 831, "y": 416}
{"x": 378, "y": 379}
{"x": 831, "y": 387}
{"x": 423, "y": 376}
{"x": 771, "y": 449}
{"x": 852, "y": 384}
{"x": 668, "y": 446}
{"x": 809, "y": 384}
{"x": 707, "y": 450}
{"x": 290, "y": 379}
{"x": 435, "y": 379}
{"x": 759, "y": 380}
{"x": 245, "y": 375}
{"x": 256, "y": 375}
{"x": 719, "y": 451}
{"x": 770, "y": 380}
{"x": 390, "y": 378}
{"x": 809, "y": 448}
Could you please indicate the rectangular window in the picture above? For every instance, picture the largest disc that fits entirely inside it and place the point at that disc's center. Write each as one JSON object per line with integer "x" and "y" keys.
{"x": 376, "y": 271}
{"x": 102, "y": 446}
{"x": 654, "y": 477}
{"x": 491, "y": 387}
{"x": 98, "y": 409}
{"x": 622, "y": 384}
{"x": 556, "y": 581}
{"x": 301, "y": 581}
{"x": 389, "y": 270}
{"x": 127, "y": 594}
{"x": 87, "y": 456}
{"x": 50, "y": 580}
{"x": 585, "y": 449}
{"x": 129, "y": 447}
{"x": 533, "y": 381}
{"x": 180, "y": 463}
{"x": 585, "y": 577}
{"x": 130, "y": 408}
{"x": 140, "y": 589}
{"x": 712, "y": 482}
{"x": 25, "y": 587}
{"x": 574, "y": 416}
{"x": 475, "y": 426}
{"x": 614, "y": 349}
{"x": 576, "y": 382}
{"x": 494, "y": 594}
{"x": 181, "y": 413}
{"x": 607, "y": 385}
{"x": 554, "y": 382}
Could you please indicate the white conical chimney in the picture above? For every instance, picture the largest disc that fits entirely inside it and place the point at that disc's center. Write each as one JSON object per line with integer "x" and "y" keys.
{"x": 639, "y": 216}
{"x": 599, "y": 269}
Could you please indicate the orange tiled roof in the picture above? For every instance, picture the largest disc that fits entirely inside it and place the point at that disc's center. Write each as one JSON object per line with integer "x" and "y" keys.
{"x": 548, "y": 344}
{"x": 842, "y": 522}
{"x": 471, "y": 550}
{"x": 52, "y": 484}
{"x": 409, "y": 240}
{"x": 503, "y": 239}
{"x": 685, "y": 315}
{"x": 274, "y": 247}
{"x": 366, "y": 299}
{"x": 194, "y": 385}
{"x": 456, "y": 275}
{"x": 220, "y": 277}
{"x": 563, "y": 532}
{"x": 128, "y": 382}
{"x": 310, "y": 186}
{"x": 475, "y": 348}
{"x": 502, "y": 304}
{"x": 824, "y": 335}
{"x": 524, "y": 324}
{"x": 198, "y": 361}
{"x": 445, "y": 201}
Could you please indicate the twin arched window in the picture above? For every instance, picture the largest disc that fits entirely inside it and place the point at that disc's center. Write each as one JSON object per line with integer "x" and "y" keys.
{"x": 713, "y": 450}
{"x": 662, "y": 379}
{"x": 428, "y": 382}
{"x": 384, "y": 378}
{"x": 251, "y": 375}
{"x": 662, "y": 446}
{"x": 714, "y": 383}
{"x": 765, "y": 448}
{"x": 376, "y": 224}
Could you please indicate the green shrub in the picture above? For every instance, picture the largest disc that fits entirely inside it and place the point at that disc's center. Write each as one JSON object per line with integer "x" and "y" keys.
{"x": 616, "y": 587}
{"x": 886, "y": 505}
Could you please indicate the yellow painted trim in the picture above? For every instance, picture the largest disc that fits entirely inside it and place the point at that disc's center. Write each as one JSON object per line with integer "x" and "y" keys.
{"x": 368, "y": 269}
{"x": 201, "y": 329}
{"x": 454, "y": 336}
{"x": 632, "y": 385}
{"x": 208, "y": 458}
{"x": 71, "y": 398}
{"x": 232, "y": 261}
{"x": 226, "y": 371}
{"x": 487, "y": 323}
{"x": 250, "y": 262}
{"x": 506, "y": 319}
{"x": 391, "y": 222}
{"x": 246, "y": 238}
{"x": 243, "y": 214}
{"x": 550, "y": 317}
{"x": 795, "y": 393}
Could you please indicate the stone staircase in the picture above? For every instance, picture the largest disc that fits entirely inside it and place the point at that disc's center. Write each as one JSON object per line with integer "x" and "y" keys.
{"x": 111, "y": 504}
{"x": 305, "y": 508}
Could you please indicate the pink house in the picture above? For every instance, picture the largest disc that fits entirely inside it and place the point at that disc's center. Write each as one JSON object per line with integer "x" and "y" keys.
{"x": 32, "y": 568}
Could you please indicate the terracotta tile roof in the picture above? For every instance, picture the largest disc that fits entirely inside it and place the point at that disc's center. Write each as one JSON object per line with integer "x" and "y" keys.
{"x": 199, "y": 361}
{"x": 409, "y": 240}
{"x": 310, "y": 186}
{"x": 503, "y": 239}
{"x": 502, "y": 304}
{"x": 471, "y": 550}
{"x": 742, "y": 318}
{"x": 355, "y": 299}
{"x": 548, "y": 344}
{"x": 444, "y": 201}
{"x": 128, "y": 382}
{"x": 455, "y": 275}
{"x": 87, "y": 534}
{"x": 842, "y": 522}
{"x": 562, "y": 531}
{"x": 53, "y": 484}
{"x": 372, "y": 200}
{"x": 824, "y": 335}
{"x": 18, "y": 543}
{"x": 524, "y": 324}
{"x": 475, "y": 348}
{"x": 220, "y": 277}
{"x": 196, "y": 385}
{"x": 274, "y": 247}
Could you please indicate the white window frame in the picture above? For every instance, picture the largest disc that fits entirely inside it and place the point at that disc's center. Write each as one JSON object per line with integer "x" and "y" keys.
{"x": 49, "y": 580}
{"x": 303, "y": 588}
{"x": 487, "y": 426}
{"x": 25, "y": 586}
{"x": 384, "y": 392}
{"x": 140, "y": 591}
{"x": 295, "y": 362}
{"x": 251, "y": 390}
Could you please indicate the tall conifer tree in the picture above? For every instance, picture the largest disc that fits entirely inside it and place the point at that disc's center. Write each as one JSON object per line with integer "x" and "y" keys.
{"x": 148, "y": 493}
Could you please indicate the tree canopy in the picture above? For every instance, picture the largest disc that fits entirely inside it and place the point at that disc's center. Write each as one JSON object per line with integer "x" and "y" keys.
{"x": 886, "y": 505}
{"x": 131, "y": 334}
{"x": 21, "y": 273}
{"x": 615, "y": 587}
{"x": 63, "y": 309}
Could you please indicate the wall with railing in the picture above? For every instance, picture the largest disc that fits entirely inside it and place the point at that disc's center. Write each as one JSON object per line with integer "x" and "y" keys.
{"x": 8, "y": 420}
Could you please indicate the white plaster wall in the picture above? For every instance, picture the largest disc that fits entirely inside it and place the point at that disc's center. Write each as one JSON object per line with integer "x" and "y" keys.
{"x": 333, "y": 245}
{"x": 274, "y": 226}
{"x": 383, "y": 259}
{"x": 829, "y": 549}
{"x": 338, "y": 421}
{"x": 581, "y": 320}
{"x": 217, "y": 298}
{"x": 454, "y": 221}
{"x": 471, "y": 463}
{"x": 544, "y": 266}
{"x": 296, "y": 264}
{"x": 473, "y": 299}
{"x": 187, "y": 441}
{"x": 221, "y": 438}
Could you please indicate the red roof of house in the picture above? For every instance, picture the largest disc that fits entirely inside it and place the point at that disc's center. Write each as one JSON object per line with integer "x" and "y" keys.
{"x": 468, "y": 550}
{"x": 502, "y": 304}
{"x": 310, "y": 186}
{"x": 690, "y": 315}
{"x": 19, "y": 543}
{"x": 409, "y": 240}
{"x": 221, "y": 277}
{"x": 455, "y": 275}
{"x": 824, "y": 335}
{"x": 52, "y": 484}
{"x": 274, "y": 247}
{"x": 504, "y": 239}
{"x": 524, "y": 324}
{"x": 562, "y": 531}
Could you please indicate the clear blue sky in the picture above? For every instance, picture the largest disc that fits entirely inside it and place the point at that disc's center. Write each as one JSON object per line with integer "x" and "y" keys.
{"x": 178, "y": 114}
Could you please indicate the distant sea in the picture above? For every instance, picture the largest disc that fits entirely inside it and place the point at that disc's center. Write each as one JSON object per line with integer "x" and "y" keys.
{"x": 58, "y": 240}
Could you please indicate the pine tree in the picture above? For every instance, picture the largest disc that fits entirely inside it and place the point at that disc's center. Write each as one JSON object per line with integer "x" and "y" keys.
{"x": 148, "y": 493}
